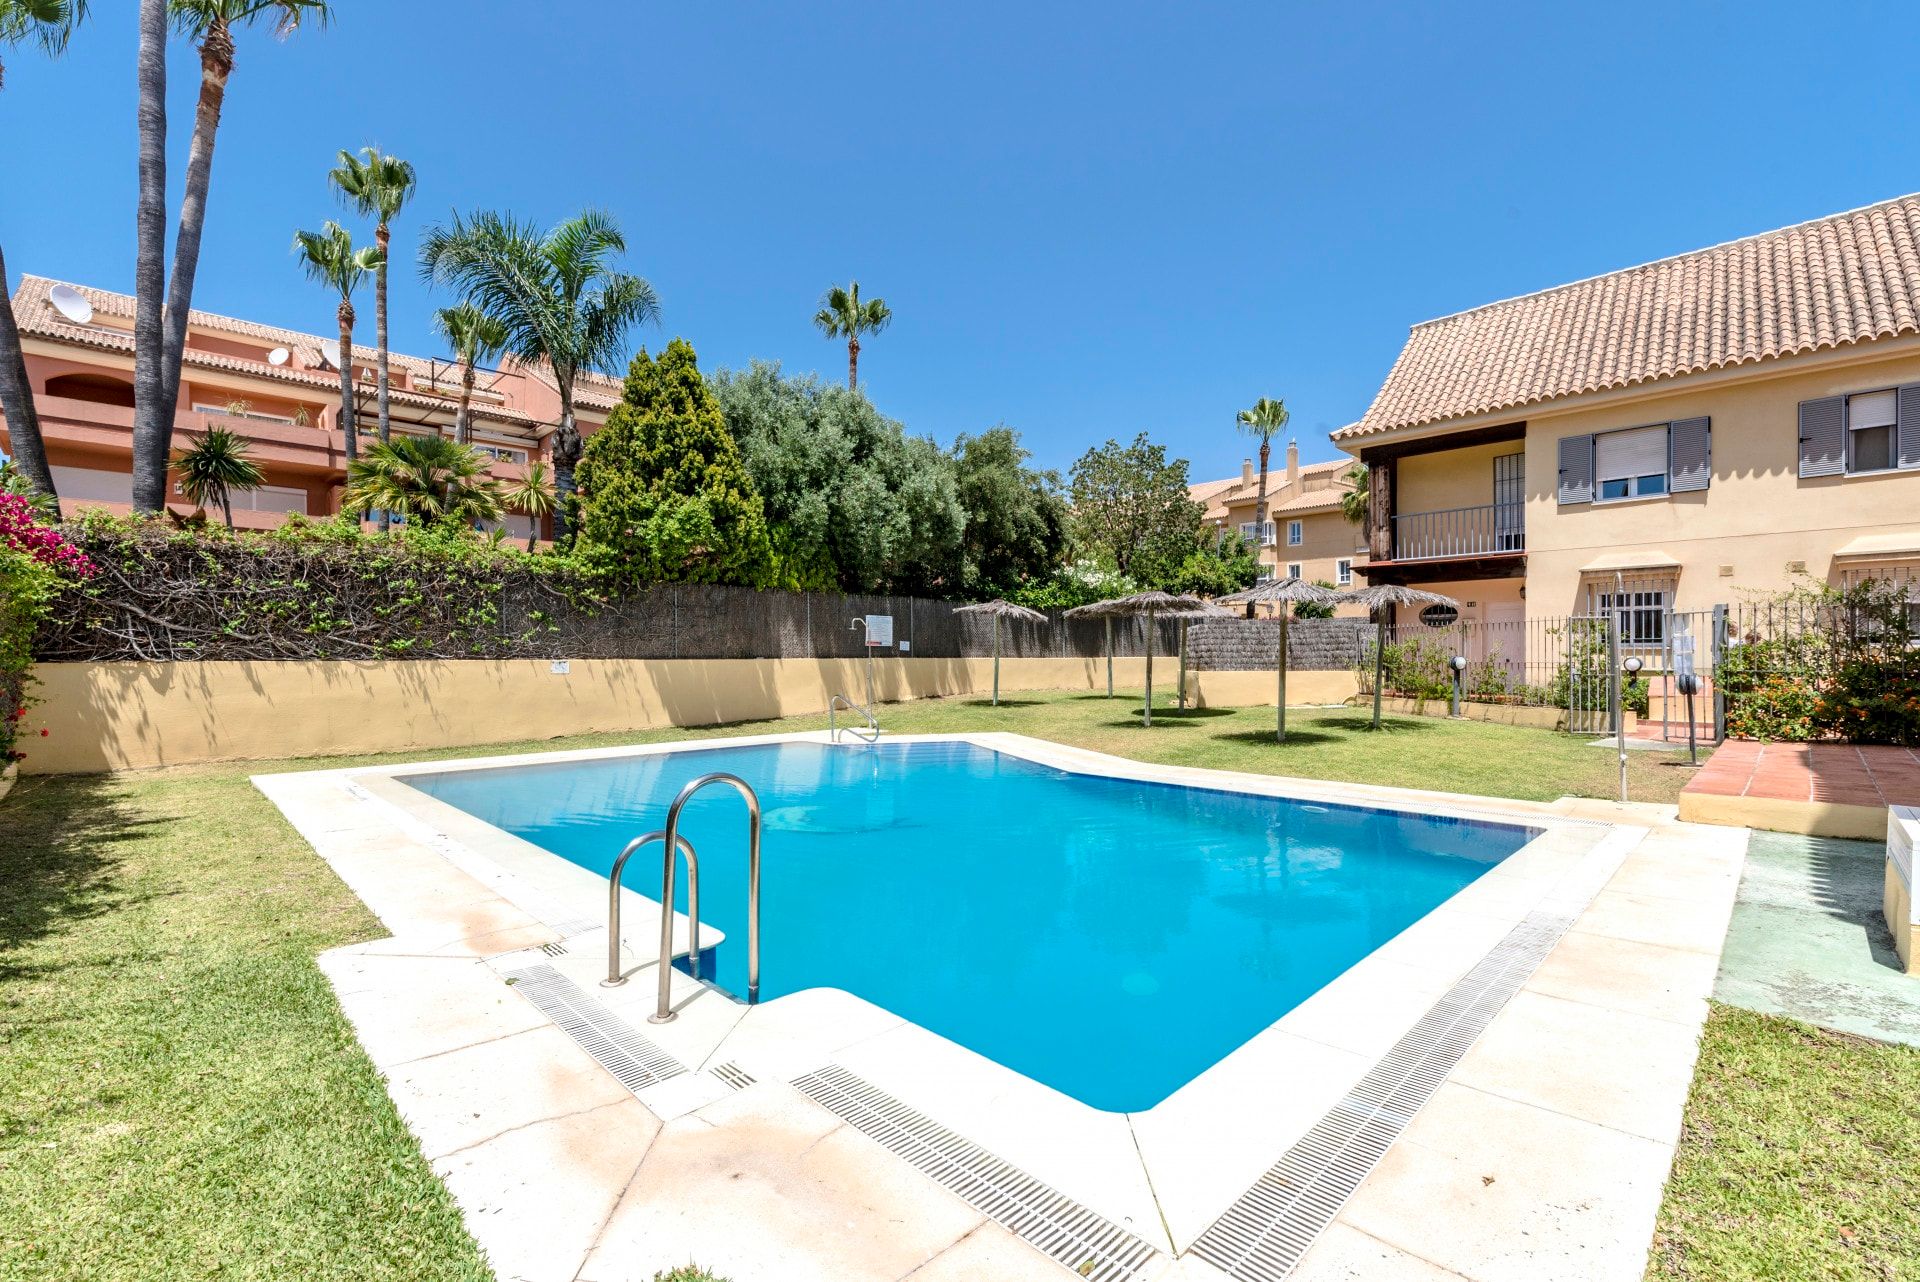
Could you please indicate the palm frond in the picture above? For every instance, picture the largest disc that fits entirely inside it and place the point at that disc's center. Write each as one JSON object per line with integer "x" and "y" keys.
{"x": 329, "y": 258}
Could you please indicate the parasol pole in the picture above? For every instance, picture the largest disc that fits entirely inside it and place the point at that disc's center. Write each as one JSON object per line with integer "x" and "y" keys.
{"x": 996, "y": 660}
{"x": 1280, "y": 725}
{"x": 1146, "y": 709}
{"x": 1379, "y": 660}
{"x": 1109, "y": 656}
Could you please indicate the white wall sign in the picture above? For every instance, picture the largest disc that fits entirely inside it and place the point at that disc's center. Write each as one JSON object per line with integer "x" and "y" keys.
{"x": 560, "y": 667}
{"x": 879, "y": 629}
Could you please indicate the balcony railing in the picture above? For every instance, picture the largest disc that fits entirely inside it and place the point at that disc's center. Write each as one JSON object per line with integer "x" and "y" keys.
{"x": 1491, "y": 529}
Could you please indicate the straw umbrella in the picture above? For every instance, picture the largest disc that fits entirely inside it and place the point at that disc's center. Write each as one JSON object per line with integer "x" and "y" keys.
{"x": 1285, "y": 593}
{"x": 1148, "y": 604}
{"x": 997, "y": 610}
{"x": 1377, "y": 598}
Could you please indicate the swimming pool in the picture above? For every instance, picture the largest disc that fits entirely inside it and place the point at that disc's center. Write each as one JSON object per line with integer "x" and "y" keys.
{"x": 1110, "y": 938}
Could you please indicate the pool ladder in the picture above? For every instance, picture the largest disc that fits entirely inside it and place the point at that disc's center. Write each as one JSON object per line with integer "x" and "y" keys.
{"x": 871, "y": 734}
{"x": 676, "y": 845}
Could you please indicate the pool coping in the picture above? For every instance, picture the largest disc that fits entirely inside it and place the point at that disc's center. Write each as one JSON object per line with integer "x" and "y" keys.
{"x": 1165, "y": 1173}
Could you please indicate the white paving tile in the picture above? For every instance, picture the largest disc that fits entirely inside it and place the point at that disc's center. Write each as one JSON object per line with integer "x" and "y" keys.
{"x": 403, "y": 1008}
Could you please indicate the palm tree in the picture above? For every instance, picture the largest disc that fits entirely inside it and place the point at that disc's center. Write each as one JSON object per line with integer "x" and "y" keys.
{"x": 1266, "y": 417}
{"x": 210, "y": 24}
{"x": 329, "y": 258}
{"x": 377, "y": 186}
{"x": 531, "y": 494}
{"x": 49, "y": 24}
{"x": 152, "y": 420}
{"x": 475, "y": 338}
{"x": 428, "y": 478}
{"x": 556, "y": 295}
{"x": 842, "y": 314}
{"x": 1354, "y": 503}
{"x": 214, "y": 467}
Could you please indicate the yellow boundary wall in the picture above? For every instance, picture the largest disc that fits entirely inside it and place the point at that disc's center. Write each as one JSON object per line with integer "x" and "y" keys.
{"x": 121, "y": 716}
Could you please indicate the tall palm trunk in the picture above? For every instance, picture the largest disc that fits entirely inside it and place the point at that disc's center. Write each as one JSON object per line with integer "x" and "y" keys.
{"x": 463, "y": 419}
{"x": 380, "y": 238}
{"x": 216, "y": 65}
{"x": 226, "y": 507}
{"x": 1260, "y": 516}
{"x": 153, "y": 416}
{"x": 853, "y": 363}
{"x": 566, "y": 453}
{"x": 346, "y": 381}
{"x": 16, "y": 401}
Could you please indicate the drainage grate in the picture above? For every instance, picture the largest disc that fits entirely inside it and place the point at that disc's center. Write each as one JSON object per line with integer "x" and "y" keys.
{"x": 1049, "y": 1219}
{"x": 1263, "y": 1235}
{"x": 574, "y": 926}
{"x": 637, "y": 1062}
{"x": 733, "y": 1075}
{"x": 554, "y": 950}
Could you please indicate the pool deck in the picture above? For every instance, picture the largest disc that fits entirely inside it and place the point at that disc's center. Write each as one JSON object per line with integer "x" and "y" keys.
{"x": 1821, "y": 789}
{"x": 1541, "y": 1154}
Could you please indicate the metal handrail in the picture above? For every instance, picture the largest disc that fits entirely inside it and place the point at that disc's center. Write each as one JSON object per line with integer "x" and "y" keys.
{"x": 833, "y": 725}
{"x": 663, "y": 1008}
{"x": 614, "y": 976}
{"x": 1485, "y": 529}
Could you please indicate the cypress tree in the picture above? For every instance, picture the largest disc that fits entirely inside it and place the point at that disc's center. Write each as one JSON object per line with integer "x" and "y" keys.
{"x": 664, "y": 495}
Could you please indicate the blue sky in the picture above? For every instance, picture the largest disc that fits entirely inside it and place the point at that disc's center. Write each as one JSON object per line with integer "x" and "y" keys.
{"x": 1089, "y": 219}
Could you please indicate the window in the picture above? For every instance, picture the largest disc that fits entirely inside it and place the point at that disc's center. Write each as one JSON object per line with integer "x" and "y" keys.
{"x": 1870, "y": 431}
{"x": 1293, "y": 569}
{"x": 1247, "y": 529}
{"x": 240, "y": 409}
{"x": 501, "y": 453}
{"x": 1343, "y": 572}
{"x": 1631, "y": 464}
{"x": 1266, "y": 574}
{"x": 1296, "y": 533}
{"x": 1643, "y": 615}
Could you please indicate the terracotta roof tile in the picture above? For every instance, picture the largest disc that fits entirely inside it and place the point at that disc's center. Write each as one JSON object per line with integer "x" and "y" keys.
{"x": 1848, "y": 278}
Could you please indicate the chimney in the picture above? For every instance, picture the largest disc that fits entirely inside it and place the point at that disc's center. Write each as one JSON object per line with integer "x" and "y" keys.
{"x": 1246, "y": 471}
{"x": 1293, "y": 467}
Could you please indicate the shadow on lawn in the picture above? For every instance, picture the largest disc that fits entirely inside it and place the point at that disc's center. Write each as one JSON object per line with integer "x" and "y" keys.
{"x": 1303, "y": 738}
{"x": 1004, "y": 703}
{"x": 59, "y": 862}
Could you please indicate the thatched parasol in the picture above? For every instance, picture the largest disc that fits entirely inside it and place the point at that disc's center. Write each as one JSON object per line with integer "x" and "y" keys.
{"x": 1148, "y": 604}
{"x": 1287, "y": 593}
{"x": 997, "y": 610}
{"x": 1377, "y": 598}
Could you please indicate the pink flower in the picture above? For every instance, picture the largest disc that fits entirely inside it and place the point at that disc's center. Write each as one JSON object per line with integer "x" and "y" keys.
{"x": 21, "y": 530}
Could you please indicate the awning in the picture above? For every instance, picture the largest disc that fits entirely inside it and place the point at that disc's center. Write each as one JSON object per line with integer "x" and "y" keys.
{"x": 1614, "y": 561}
{"x": 1881, "y": 546}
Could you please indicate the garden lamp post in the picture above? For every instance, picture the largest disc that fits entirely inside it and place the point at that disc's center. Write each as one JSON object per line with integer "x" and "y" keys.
{"x": 1379, "y": 598}
{"x": 1458, "y": 665}
{"x": 1284, "y": 593}
{"x": 997, "y": 610}
{"x": 1632, "y": 665}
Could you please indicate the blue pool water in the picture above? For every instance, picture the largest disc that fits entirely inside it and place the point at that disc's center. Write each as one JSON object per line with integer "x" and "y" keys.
{"x": 1112, "y": 939}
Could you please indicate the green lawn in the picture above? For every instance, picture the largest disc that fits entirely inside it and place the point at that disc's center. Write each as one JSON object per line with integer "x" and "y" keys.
{"x": 180, "y": 1096}
{"x": 1800, "y": 1158}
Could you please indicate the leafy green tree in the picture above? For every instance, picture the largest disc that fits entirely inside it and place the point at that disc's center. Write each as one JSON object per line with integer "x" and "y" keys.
{"x": 1312, "y": 609}
{"x": 843, "y": 314}
{"x": 557, "y": 295}
{"x": 430, "y": 479}
{"x": 1131, "y": 509}
{"x": 1016, "y": 521}
{"x": 1215, "y": 566}
{"x": 213, "y": 467}
{"x": 854, "y": 502}
{"x": 665, "y": 495}
{"x": 475, "y": 338}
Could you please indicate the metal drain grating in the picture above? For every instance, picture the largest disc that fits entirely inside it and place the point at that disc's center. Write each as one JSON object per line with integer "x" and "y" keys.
{"x": 1049, "y": 1219}
{"x": 733, "y": 1075}
{"x": 575, "y": 926}
{"x": 1263, "y": 1235}
{"x": 554, "y": 949}
{"x": 637, "y": 1062}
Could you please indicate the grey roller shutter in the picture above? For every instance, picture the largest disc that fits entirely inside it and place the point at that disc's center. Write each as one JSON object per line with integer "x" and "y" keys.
{"x": 1908, "y": 430}
{"x": 1576, "y": 469}
{"x": 1823, "y": 436}
{"x": 1689, "y": 455}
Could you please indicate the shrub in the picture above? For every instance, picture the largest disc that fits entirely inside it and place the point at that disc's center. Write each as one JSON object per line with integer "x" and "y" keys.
{"x": 1826, "y": 662}
{"x": 35, "y": 563}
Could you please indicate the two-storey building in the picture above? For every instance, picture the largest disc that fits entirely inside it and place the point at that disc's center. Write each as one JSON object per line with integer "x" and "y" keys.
{"x": 278, "y": 388}
{"x": 1306, "y": 534}
{"x": 1666, "y": 437}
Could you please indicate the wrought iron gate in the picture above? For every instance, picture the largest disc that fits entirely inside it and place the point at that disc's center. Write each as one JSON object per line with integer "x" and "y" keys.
{"x": 1588, "y": 665}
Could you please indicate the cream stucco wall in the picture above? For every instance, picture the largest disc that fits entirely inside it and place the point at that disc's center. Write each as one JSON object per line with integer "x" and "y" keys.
{"x": 1755, "y": 519}
{"x": 1326, "y": 537}
{"x": 115, "y": 716}
{"x": 1448, "y": 479}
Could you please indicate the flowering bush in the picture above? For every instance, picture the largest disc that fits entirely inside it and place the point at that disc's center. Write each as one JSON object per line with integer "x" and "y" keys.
{"x": 35, "y": 562}
{"x": 1841, "y": 663}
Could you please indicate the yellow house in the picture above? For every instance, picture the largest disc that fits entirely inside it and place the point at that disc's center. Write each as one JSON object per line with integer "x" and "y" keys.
{"x": 1305, "y": 536}
{"x": 1681, "y": 434}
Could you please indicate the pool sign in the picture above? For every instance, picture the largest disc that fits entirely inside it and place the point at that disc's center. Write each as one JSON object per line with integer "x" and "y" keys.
{"x": 1683, "y": 655}
{"x": 879, "y": 629}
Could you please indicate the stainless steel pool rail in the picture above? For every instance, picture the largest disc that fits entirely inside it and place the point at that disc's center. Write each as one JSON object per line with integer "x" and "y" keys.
{"x": 615, "y": 977}
{"x": 871, "y": 734}
{"x": 663, "y": 1010}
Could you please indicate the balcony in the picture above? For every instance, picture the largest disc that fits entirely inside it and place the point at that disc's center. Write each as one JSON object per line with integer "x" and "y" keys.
{"x": 1460, "y": 533}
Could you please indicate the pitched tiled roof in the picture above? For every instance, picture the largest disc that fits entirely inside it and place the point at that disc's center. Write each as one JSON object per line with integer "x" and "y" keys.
{"x": 35, "y": 315}
{"x": 1847, "y": 278}
{"x": 1220, "y": 495}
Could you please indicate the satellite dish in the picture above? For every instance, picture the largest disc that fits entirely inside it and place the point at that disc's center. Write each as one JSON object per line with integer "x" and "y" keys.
{"x": 71, "y": 303}
{"x": 279, "y": 356}
{"x": 330, "y": 352}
